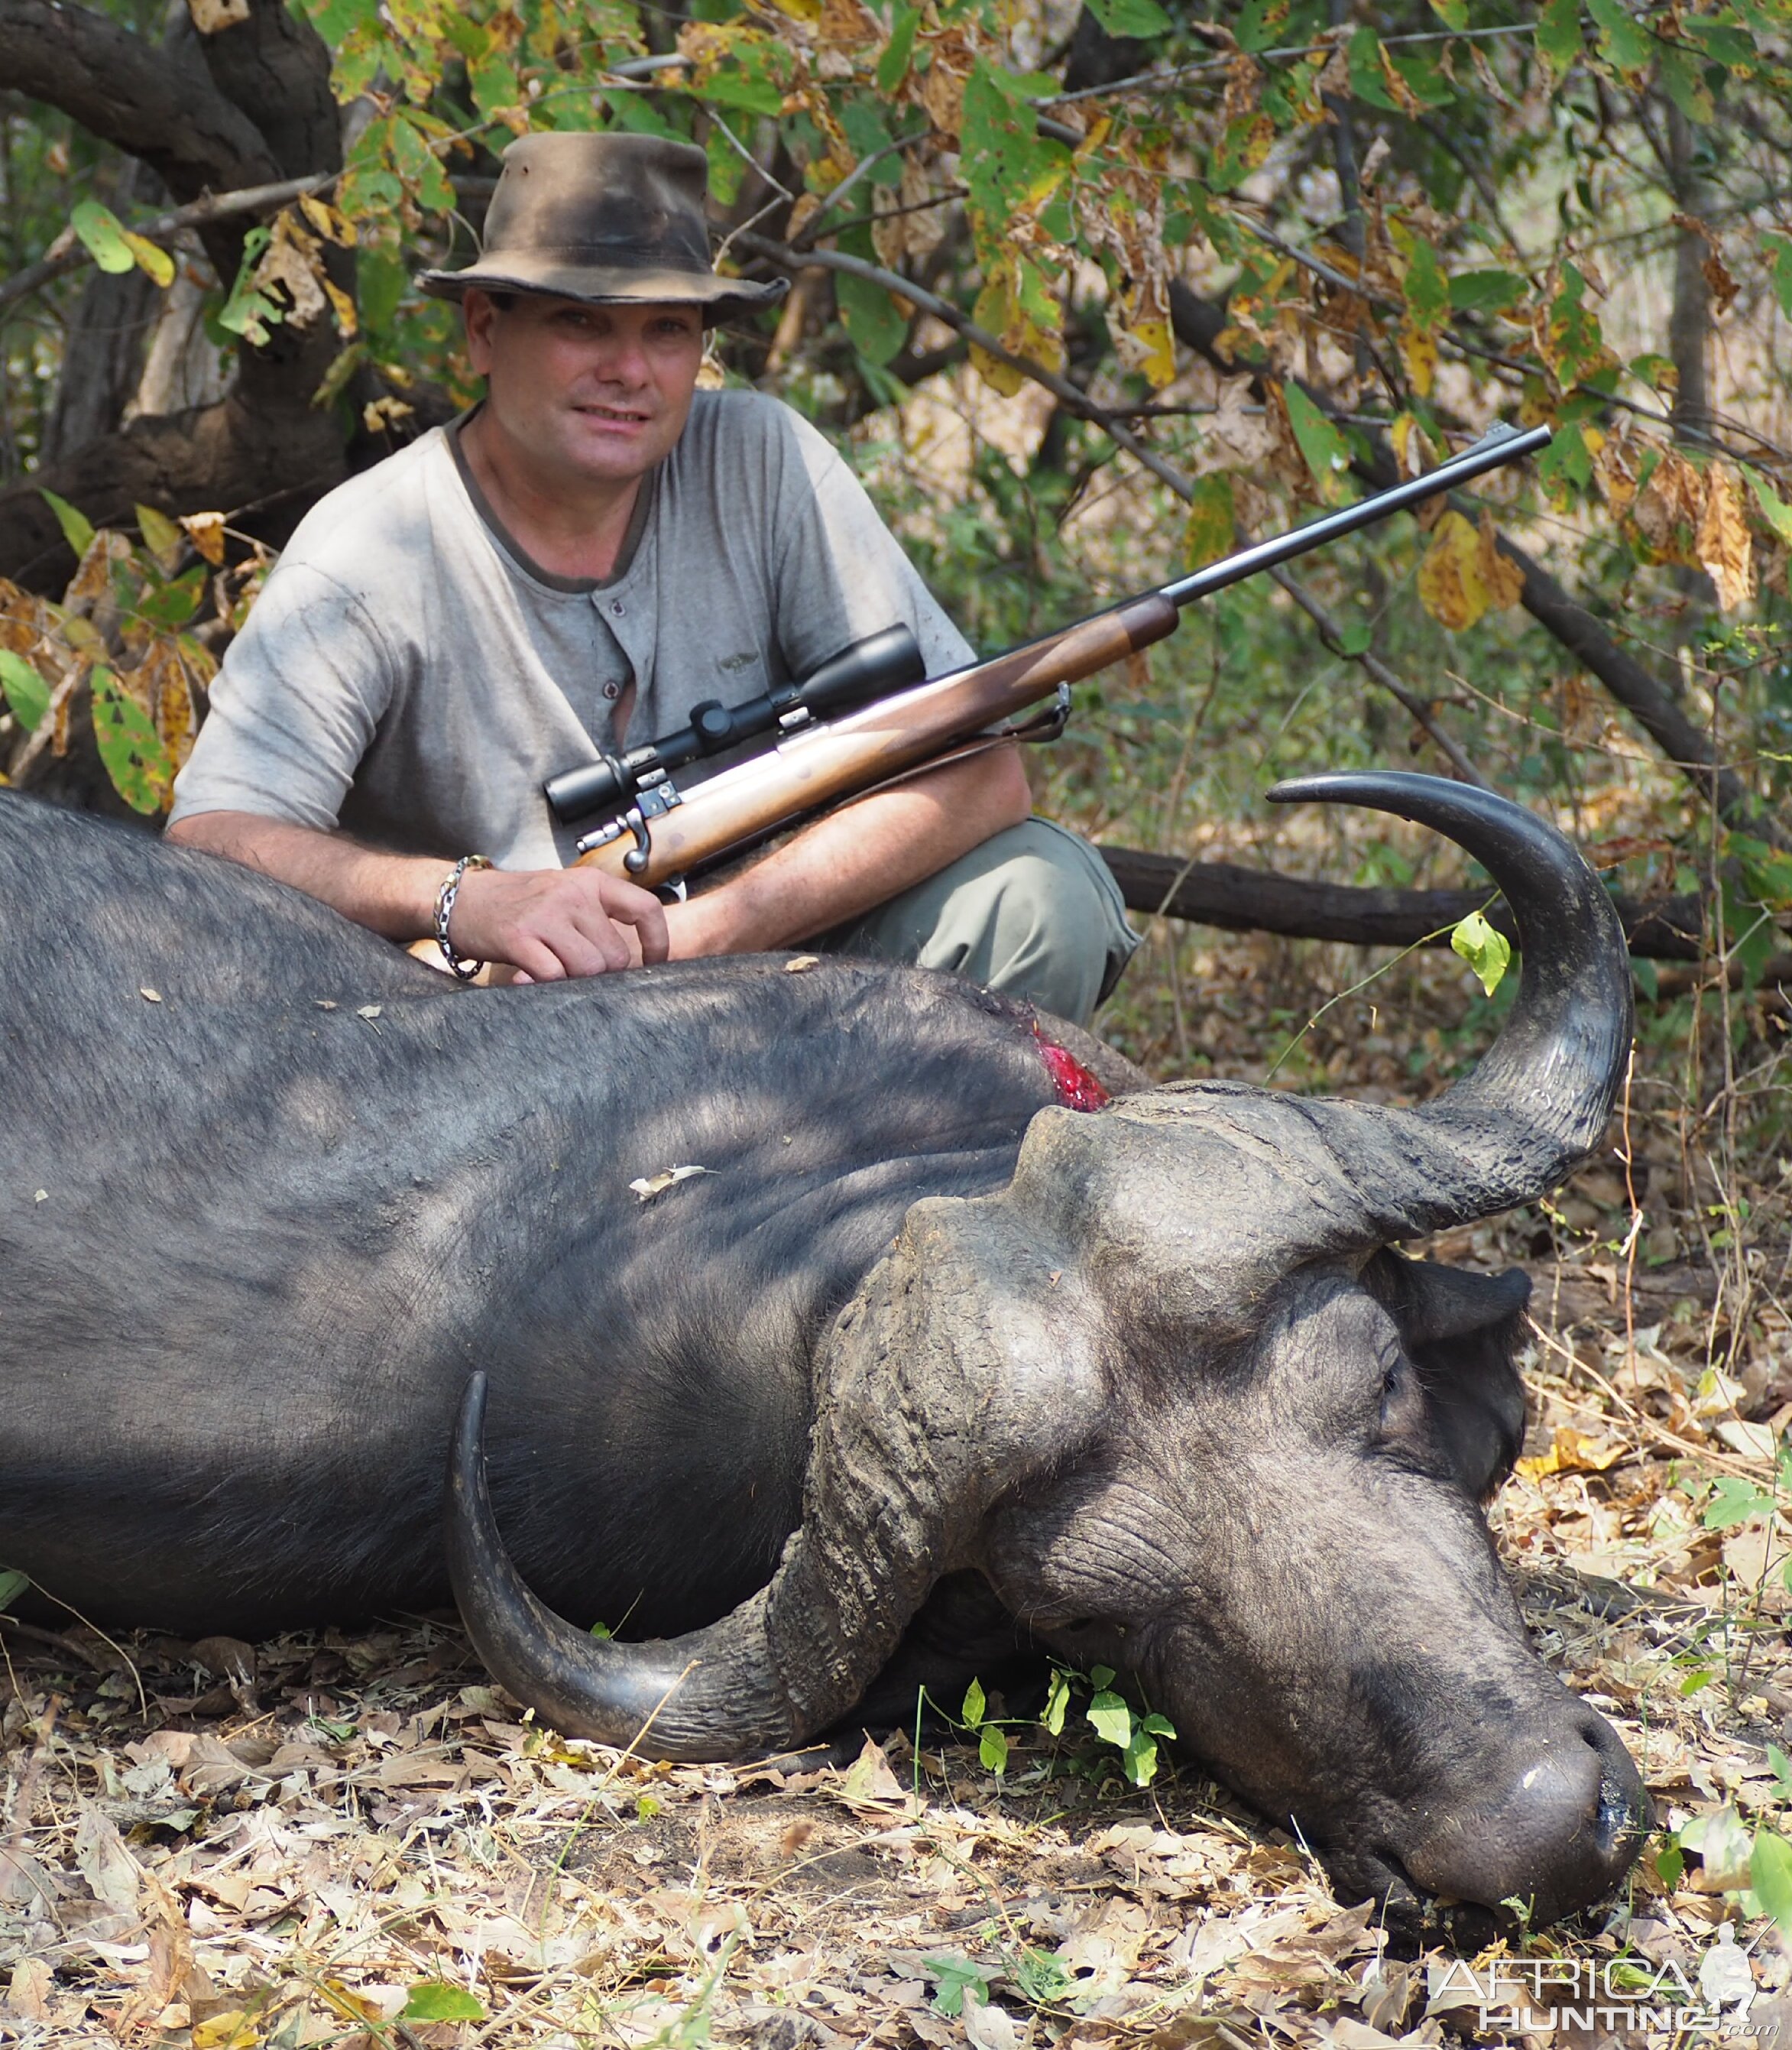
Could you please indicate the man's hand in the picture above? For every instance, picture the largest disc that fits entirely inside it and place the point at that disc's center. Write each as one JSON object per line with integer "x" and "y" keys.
{"x": 553, "y": 923}
{"x": 549, "y": 923}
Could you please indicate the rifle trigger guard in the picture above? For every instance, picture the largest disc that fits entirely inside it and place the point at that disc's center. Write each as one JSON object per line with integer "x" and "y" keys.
{"x": 1046, "y": 725}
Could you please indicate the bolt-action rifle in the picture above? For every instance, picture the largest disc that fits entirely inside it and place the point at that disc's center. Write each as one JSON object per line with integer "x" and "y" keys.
{"x": 870, "y": 717}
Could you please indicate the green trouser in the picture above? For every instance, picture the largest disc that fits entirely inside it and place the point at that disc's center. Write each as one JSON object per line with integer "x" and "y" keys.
{"x": 1034, "y": 912}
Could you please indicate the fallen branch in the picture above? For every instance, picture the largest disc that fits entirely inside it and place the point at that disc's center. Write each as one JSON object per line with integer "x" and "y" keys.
{"x": 1256, "y": 900}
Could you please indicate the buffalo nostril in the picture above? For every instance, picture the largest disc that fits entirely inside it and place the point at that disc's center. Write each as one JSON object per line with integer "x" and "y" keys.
{"x": 1557, "y": 1827}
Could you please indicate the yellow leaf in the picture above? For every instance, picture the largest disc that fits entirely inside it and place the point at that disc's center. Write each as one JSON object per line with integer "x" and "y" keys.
{"x": 1450, "y": 585}
{"x": 1153, "y": 353}
{"x": 206, "y": 531}
{"x": 1503, "y": 578}
{"x": 1418, "y": 351}
{"x": 378, "y": 414}
{"x": 1725, "y": 548}
{"x": 332, "y": 225}
{"x": 1572, "y": 1452}
{"x": 341, "y": 304}
{"x": 209, "y": 18}
{"x": 151, "y": 260}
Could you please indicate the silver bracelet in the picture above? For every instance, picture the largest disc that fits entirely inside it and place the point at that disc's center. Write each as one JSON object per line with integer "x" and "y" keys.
{"x": 458, "y": 964}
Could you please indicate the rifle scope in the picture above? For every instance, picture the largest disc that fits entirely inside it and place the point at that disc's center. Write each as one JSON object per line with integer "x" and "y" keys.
{"x": 874, "y": 668}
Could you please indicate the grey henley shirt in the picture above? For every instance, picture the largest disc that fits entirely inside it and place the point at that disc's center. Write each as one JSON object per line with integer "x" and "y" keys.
{"x": 409, "y": 675}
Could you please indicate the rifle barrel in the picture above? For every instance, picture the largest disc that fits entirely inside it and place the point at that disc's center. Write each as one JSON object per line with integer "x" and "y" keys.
{"x": 1499, "y": 445}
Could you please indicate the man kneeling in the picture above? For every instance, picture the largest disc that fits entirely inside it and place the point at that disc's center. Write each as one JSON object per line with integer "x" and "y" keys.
{"x": 598, "y": 546}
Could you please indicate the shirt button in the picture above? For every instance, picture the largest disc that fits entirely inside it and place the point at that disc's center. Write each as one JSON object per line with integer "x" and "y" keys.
{"x": 613, "y": 690}
{"x": 617, "y": 607}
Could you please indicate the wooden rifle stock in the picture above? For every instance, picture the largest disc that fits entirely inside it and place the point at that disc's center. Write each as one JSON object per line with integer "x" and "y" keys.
{"x": 849, "y": 756}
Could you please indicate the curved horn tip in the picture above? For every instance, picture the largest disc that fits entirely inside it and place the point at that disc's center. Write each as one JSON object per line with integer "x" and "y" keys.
{"x": 469, "y": 1420}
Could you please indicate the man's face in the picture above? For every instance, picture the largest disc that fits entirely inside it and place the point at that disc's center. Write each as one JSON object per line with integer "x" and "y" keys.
{"x": 594, "y": 394}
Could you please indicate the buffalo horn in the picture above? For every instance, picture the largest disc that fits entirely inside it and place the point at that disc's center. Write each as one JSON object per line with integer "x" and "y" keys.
{"x": 1538, "y": 1101}
{"x": 790, "y": 1660}
{"x": 700, "y": 1697}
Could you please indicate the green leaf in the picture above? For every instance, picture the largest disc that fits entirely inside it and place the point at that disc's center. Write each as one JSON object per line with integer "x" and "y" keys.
{"x": 954, "y": 1977}
{"x": 1057, "y": 1700}
{"x": 1566, "y": 463}
{"x": 1775, "y": 508}
{"x": 12, "y": 1584}
{"x": 162, "y": 536}
{"x": 1486, "y": 292}
{"x": 1100, "y": 1676}
{"x": 1558, "y": 34}
{"x": 1212, "y": 523}
{"x": 1779, "y": 247}
{"x": 992, "y": 1748}
{"x": 176, "y": 603}
{"x": 1041, "y": 1977}
{"x": 893, "y": 64}
{"x": 102, "y": 235}
{"x": 1140, "y": 1760}
{"x": 336, "y": 20}
{"x": 1130, "y": 17}
{"x": 974, "y": 1703}
{"x": 1733, "y": 1500}
{"x": 1781, "y": 1766}
{"x": 1158, "y": 1725}
{"x": 1670, "y": 1865}
{"x": 1770, "y": 1876}
{"x": 876, "y": 325}
{"x": 77, "y": 529}
{"x": 1111, "y": 1719}
{"x": 1354, "y": 637}
{"x": 1364, "y": 56}
{"x": 1622, "y": 40}
{"x": 1327, "y": 453}
{"x": 27, "y": 695}
{"x": 1452, "y": 13}
{"x": 1683, "y": 74}
{"x": 493, "y": 83}
{"x": 1424, "y": 287}
{"x": 130, "y": 746}
{"x": 1260, "y": 23}
{"x": 1006, "y": 164}
{"x": 433, "y": 2000}
{"x": 248, "y": 312}
{"x": 1487, "y": 952}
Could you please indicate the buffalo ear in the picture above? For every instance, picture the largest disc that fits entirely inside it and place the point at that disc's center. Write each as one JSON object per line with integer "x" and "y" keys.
{"x": 1461, "y": 1331}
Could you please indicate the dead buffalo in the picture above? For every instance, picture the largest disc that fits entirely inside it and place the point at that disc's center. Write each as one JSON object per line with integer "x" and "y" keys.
{"x": 279, "y": 1206}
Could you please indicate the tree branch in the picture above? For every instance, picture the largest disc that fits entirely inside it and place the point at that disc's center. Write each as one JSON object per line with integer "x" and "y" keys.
{"x": 274, "y": 67}
{"x": 68, "y": 253}
{"x": 127, "y": 91}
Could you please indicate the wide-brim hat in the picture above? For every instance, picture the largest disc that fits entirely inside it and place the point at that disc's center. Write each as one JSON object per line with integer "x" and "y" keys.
{"x": 605, "y": 219}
